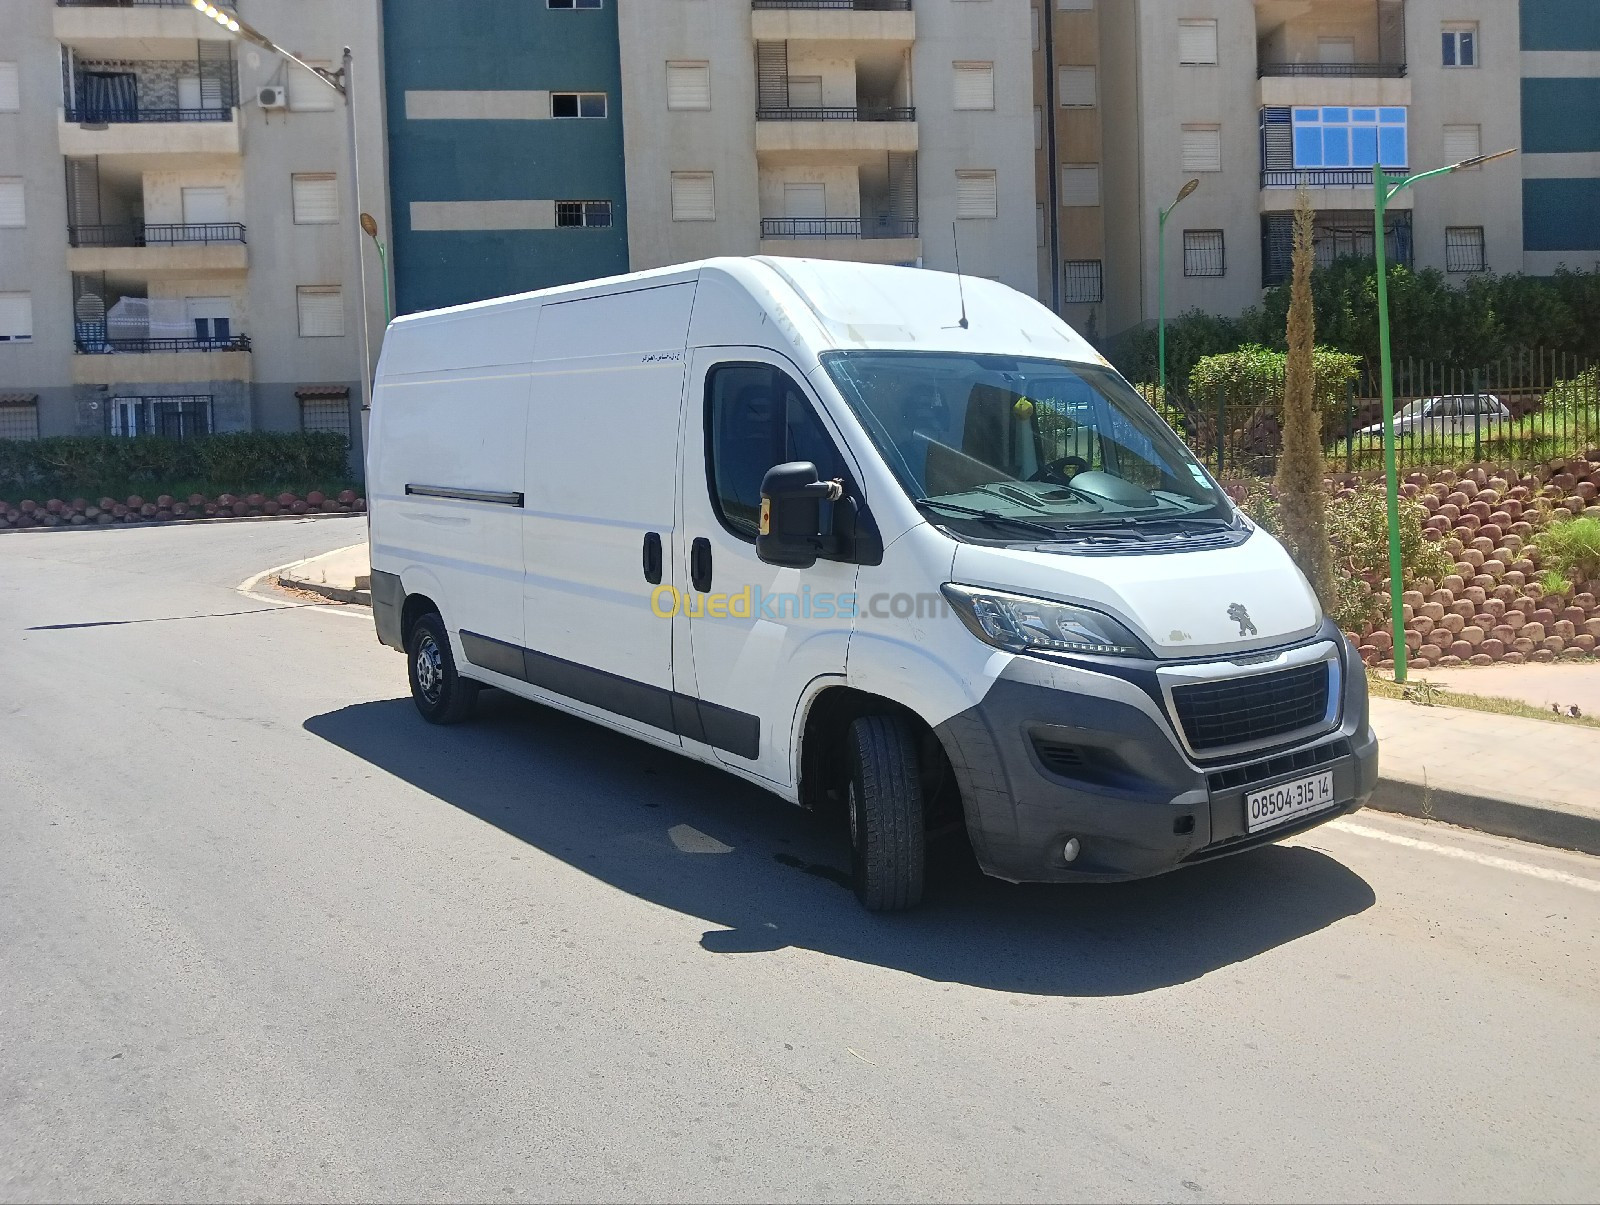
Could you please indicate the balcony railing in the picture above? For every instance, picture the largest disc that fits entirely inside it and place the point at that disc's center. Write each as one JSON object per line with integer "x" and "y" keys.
{"x": 863, "y": 228}
{"x": 163, "y": 235}
{"x": 851, "y": 113}
{"x": 90, "y": 117}
{"x": 93, "y": 345}
{"x": 860, "y": 6}
{"x": 1324, "y": 177}
{"x": 1336, "y": 70}
{"x": 233, "y": 4}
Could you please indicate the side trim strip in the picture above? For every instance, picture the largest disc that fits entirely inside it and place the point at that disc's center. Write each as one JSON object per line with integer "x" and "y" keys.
{"x": 736, "y": 732}
{"x": 498, "y": 497}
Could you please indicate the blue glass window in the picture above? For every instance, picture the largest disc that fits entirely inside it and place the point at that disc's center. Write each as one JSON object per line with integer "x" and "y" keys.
{"x": 1340, "y": 137}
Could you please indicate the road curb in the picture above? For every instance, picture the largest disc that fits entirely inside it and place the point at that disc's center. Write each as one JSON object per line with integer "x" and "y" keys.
{"x": 1502, "y": 817}
{"x": 361, "y": 598}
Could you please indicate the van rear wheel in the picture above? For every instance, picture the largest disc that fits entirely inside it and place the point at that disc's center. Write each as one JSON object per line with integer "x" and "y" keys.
{"x": 441, "y": 694}
{"x": 886, "y": 821}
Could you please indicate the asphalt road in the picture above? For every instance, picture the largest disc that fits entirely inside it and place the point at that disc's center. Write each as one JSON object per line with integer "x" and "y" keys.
{"x": 265, "y": 934}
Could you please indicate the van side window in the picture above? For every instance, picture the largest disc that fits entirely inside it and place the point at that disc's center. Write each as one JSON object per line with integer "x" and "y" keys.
{"x": 756, "y": 417}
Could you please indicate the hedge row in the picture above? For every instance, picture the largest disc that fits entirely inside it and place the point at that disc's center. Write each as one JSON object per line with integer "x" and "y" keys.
{"x": 80, "y": 512}
{"x": 88, "y": 464}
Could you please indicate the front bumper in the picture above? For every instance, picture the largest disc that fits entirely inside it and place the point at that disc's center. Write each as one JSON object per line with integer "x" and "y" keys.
{"x": 1057, "y": 751}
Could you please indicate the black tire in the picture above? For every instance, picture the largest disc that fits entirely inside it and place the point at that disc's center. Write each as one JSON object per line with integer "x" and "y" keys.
{"x": 441, "y": 694}
{"x": 887, "y": 844}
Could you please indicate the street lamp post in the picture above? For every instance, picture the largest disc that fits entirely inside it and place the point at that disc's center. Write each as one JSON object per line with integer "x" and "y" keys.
{"x": 370, "y": 225}
{"x": 1161, "y": 283}
{"x": 1384, "y": 189}
{"x": 342, "y": 82}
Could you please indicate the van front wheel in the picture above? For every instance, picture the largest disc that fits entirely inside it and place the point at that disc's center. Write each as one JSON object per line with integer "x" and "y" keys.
{"x": 886, "y": 822}
{"x": 441, "y": 695}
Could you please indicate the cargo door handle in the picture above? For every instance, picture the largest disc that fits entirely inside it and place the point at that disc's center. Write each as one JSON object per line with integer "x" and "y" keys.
{"x": 652, "y": 557}
{"x": 700, "y": 564}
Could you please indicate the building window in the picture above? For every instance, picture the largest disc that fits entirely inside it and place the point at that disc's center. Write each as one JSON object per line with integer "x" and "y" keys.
{"x": 694, "y": 197}
{"x": 13, "y": 212}
{"x": 177, "y": 417}
{"x": 1080, "y": 185}
{"x": 1335, "y": 234}
{"x": 1463, "y": 249}
{"x": 1202, "y": 253}
{"x": 689, "y": 86}
{"x": 306, "y": 95}
{"x": 576, "y": 3}
{"x": 1197, "y": 43}
{"x": 1080, "y": 283}
{"x": 1462, "y": 142}
{"x": 1075, "y": 6}
{"x": 1340, "y": 136}
{"x": 976, "y": 195}
{"x": 1202, "y": 148}
{"x": 577, "y": 104}
{"x": 1076, "y": 87}
{"x": 1461, "y": 44}
{"x": 325, "y": 408}
{"x": 974, "y": 86}
{"x": 316, "y": 198}
{"x": 10, "y": 95}
{"x": 321, "y": 311}
{"x": 592, "y": 214}
{"x": 19, "y": 416}
{"x": 16, "y": 317}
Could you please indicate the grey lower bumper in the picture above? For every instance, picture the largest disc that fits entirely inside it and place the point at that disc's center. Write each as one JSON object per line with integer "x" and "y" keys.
{"x": 1137, "y": 805}
{"x": 388, "y": 603}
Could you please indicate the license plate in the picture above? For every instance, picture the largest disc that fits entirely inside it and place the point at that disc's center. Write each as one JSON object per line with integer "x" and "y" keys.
{"x": 1274, "y": 805}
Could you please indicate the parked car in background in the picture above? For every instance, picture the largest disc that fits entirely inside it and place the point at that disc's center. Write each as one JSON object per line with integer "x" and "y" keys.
{"x": 1455, "y": 414}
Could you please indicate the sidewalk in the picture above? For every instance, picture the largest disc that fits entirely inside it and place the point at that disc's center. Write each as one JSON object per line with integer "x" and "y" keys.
{"x": 1529, "y": 779}
{"x": 344, "y": 575}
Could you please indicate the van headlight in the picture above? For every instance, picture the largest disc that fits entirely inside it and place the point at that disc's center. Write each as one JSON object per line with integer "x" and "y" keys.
{"x": 1018, "y": 623}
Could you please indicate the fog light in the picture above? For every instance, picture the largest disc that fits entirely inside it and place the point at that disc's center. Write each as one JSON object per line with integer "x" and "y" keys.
{"x": 1069, "y": 851}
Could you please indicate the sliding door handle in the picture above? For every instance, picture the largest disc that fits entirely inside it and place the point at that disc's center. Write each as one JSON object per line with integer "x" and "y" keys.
{"x": 652, "y": 557}
{"x": 700, "y": 565}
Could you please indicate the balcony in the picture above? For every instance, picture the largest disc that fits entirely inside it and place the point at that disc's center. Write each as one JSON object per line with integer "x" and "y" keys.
{"x": 156, "y": 249}
{"x": 833, "y": 20}
{"x": 102, "y": 22}
{"x": 102, "y": 361}
{"x": 865, "y": 129}
{"x": 202, "y": 131}
{"x": 1334, "y": 70}
{"x": 1334, "y": 52}
{"x": 1335, "y": 234}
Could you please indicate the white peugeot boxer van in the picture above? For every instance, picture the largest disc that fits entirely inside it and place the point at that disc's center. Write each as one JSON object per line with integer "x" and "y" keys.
{"x": 881, "y": 537}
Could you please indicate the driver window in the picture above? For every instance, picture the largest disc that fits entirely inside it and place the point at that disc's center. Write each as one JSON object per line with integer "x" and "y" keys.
{"x": 757, "y": 417}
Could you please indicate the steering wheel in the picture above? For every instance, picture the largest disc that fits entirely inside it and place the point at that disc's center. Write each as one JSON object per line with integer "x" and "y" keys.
{"x": 1052, "y": 471}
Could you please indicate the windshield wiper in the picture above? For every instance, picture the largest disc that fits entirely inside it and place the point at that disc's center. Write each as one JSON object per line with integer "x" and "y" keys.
{"x": 992, "y": 517}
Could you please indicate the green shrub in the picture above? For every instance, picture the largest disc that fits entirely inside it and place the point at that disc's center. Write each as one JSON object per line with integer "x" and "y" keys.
{"x": 1572, "y": 548}
{"x": 1575, "y": 394}
{"x": 89, "y": 465}
{"x": 1254, "y": 374}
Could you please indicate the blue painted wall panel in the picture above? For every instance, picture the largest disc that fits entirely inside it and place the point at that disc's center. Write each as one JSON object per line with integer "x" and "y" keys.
{"x": 1560, "y": 116}
{"x": 470, "y": 45}
{"x": 1558, "y": 215}
{"x": 1560, "y": 25}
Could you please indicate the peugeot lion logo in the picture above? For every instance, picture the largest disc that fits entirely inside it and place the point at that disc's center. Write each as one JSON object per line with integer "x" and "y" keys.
{"x": 1240, "y": 616}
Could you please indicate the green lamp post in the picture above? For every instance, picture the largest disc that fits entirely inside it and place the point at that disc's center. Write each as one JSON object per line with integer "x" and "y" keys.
{"x": 1384, "y": 189}
{"x": 1161, "y": 282}
{"x": 370, "y": 225}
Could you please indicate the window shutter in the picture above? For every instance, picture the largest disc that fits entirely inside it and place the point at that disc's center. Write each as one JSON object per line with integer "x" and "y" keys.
{"x": 1277, "y": 140}
{"x": 1076, "y": 87}
{"x": 321, "y": 311}
{"x": 974, "y": 85}
{"x": 975, "y": 195}
{"x": 306, "y": 94}
{"x": 12, "y": 211}
{"x": 10, "y": 95}
{"x": 1075, "y": 6}
{"x": 1202, "y": 149}
{"x": 1460, "y": 142}
{"x": 688, "y": 85}
{"x": 694, "y": 197}
{"x": 1080, "y": 184}
{"x": 16, "y": 315}
{"x": 805, "y": 92}
{"x": 316, "y": 198}
{"x": 1197, "y": 42}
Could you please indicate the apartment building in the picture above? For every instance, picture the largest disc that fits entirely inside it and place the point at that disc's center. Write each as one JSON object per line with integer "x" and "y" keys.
{"x": 1560, "y": 135}
{"x": 505, "y": 147}
{"x": 176, "y": 251}
{"x": 874, "y": 130}
{"x": 1254, "y": 98}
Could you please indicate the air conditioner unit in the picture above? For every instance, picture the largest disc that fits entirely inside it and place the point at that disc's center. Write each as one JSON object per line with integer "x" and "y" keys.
{"x": 275, "y": 97}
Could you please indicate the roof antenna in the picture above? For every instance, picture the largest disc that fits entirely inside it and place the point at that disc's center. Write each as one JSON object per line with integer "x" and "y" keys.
{"x": 955, "y": 238}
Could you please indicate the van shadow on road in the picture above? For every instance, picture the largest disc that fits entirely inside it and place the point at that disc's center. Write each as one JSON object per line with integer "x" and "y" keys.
{"x": 703, "y": 843}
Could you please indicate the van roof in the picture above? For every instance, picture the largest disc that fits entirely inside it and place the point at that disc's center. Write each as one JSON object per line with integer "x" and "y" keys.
{"x": 852, "y": 305}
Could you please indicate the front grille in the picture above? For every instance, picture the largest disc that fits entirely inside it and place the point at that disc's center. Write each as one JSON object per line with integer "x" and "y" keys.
{"x": 1063, "y": 759}
{"x": 1277, "y": 767}
{"x": 1242, "y": 711}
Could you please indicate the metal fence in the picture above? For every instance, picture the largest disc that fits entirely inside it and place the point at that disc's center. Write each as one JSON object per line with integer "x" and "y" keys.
{"x": 1521, "y": 410}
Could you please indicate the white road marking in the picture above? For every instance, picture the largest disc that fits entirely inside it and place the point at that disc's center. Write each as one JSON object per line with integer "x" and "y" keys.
{"x": 1467, "y": 855}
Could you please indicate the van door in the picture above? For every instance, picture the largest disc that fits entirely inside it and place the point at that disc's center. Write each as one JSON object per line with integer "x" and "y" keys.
{"x": 759, "y": 634}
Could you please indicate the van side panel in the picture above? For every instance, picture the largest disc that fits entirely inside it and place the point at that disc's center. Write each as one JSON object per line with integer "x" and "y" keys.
{"x": 602, "y": 441}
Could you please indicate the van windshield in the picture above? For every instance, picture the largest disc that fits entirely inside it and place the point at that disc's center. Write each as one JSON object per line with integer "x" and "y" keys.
{"x": 1014, "y": 442}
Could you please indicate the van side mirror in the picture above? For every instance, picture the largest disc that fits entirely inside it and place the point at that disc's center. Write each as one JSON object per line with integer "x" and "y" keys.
{"x": 791, "y": 532}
